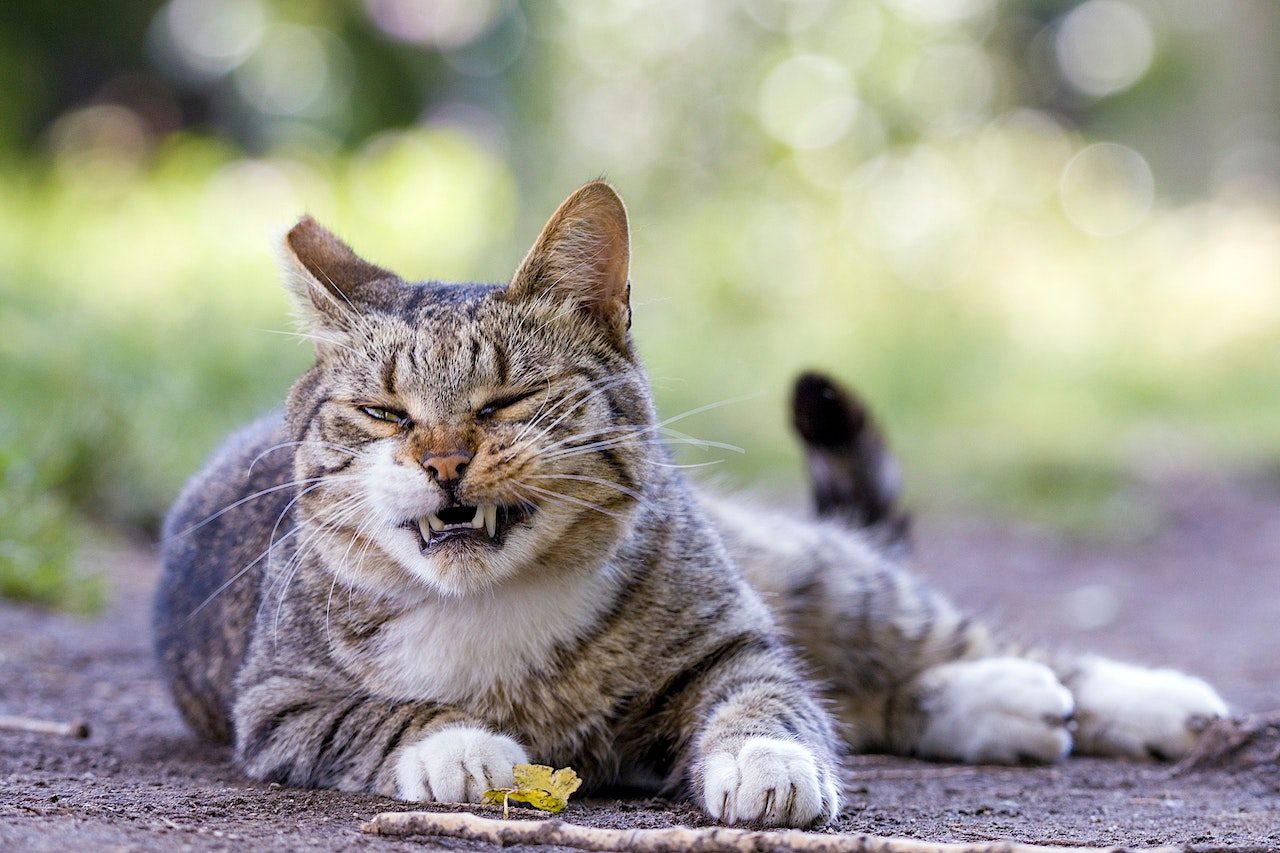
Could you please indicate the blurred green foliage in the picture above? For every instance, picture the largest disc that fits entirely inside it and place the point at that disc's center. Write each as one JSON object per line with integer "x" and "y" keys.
{"x": 39, "y": 541}
{"x": 894, "y": 192}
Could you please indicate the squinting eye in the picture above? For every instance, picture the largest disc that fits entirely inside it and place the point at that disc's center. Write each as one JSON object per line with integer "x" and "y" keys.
{"x": 381, "y": 414}
{"x": 494, "y": 406}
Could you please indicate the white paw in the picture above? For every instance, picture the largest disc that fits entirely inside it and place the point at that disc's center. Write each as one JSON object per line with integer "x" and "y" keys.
{"x": 457, "y": 765}
{"x": 1138, "y": 712}
{"x": 994, "y": 711}
{"x": 769, "y": 782}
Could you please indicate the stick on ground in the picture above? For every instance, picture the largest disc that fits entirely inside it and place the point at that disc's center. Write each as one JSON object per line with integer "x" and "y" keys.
{"x": 713, "y": 839}
{"x": 76, "y": 729}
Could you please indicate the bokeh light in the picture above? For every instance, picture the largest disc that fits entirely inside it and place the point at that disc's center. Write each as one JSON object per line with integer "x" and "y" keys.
{"x": 808, "y": 101}
{"x": 442, "y": 23}
{"x": 1104, "y": 47}
{"x": 289, "y": 73}
{"x": 205, "y": 39}
{"x": 1107, "y": 189}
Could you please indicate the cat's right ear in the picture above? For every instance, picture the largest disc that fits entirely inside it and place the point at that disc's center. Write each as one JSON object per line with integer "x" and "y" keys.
{"x": 325, "y": 277}
{"x": 583, "y": 257}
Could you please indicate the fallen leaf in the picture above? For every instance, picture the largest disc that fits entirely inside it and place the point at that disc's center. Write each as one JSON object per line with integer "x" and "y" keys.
{"x": 539, "y": 786}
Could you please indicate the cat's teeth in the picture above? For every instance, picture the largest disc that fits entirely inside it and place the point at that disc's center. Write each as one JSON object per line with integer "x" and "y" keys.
{"x": 435, "y": 523}
{"x": 478, "y": 521}
{"x": 491, "y": 519}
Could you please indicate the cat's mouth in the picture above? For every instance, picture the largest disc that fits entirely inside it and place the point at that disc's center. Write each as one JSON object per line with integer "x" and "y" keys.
{"x": 483, "y": 524}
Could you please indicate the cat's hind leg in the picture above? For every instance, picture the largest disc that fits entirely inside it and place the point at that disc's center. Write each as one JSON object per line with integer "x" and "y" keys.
{"x": 1011, "y": 709}
{"x": 997, "y": 710}
{"x": 1138, "y": 712}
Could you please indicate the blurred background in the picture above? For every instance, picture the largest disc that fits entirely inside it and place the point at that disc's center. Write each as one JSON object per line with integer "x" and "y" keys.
{"x": 1042, "y": 238}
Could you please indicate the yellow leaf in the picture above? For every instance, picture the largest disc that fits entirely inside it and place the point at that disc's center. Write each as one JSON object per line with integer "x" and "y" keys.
{"x": 539, "y": 786}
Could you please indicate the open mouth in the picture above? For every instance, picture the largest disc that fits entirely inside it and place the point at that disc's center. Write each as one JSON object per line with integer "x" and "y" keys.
{"x": 484, "y": 524}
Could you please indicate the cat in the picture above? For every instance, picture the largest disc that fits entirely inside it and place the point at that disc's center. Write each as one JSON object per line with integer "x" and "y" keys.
{"x": 462, "y": 546}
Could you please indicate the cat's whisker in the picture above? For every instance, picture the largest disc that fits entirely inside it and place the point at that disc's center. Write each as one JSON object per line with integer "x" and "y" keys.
{"x": 272, "y": 541}
{"x": 537, "y": 416}
{"x": 654, "y": 441}
{"x": 322, "y": 532}
{"x": 333, "y": 288}
{"x": 582, "y": 478}
{"x": 273, "y": 448}
{"x": 592, "y": 434}
{"x": 330, "y": 524}
{"x": 365, "y": 523}
{"x": 581, "y": 395}
{"x": 587, "y": 392}
{"x": 271, "y": 490}
{"x": 321, "y": 521}
{"x": 304, "y": 335}
{"x": 604, "y": 439}
{"x": 561, "y": 496}
{"x": 687, "y": 465}
{"x": 674, "y": 419}
{"x": 235, "y": 577}
{"x": 685, "y": 438}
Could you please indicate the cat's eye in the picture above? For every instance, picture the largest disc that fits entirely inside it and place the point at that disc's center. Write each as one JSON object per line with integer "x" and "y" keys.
{"x": 492, "y": 407}
{"x": 378, "y": 413}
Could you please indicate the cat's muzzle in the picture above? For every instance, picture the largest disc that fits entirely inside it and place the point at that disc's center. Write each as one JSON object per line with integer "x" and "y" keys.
{"x": 483, "y": 524}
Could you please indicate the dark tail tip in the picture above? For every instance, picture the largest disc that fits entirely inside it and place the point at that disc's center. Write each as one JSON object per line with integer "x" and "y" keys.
{"x": 824, "y": 414}
{"x": 854, "y": 477}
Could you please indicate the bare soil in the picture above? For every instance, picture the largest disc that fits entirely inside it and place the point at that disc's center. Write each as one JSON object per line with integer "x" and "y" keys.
{"x": 1202, "y": 593}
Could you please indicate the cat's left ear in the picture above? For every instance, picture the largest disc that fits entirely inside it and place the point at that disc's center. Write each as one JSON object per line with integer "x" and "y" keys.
{"x": 329, "y": 283}
{"x": 583, "y": 256}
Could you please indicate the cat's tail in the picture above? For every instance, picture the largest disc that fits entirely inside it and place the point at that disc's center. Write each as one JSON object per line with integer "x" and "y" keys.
{"x": 855, "y": 478}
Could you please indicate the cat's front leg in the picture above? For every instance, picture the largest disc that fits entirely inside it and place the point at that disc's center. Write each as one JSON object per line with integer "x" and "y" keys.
{"x": 304, "y": 732}
{"x": 1137, "y": 712}
{"x": 457, "y": 765}
{"x": 763, "y": 751}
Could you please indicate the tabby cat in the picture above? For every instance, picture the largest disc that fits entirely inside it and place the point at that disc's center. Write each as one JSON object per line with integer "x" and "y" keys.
{"x": 463, "y": 546}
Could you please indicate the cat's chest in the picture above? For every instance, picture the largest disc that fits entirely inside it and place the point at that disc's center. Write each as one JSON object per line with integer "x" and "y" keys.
{"x": 471, "y": 652}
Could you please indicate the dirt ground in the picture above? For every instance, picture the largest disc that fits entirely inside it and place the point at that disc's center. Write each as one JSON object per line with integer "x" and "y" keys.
{"x": 1202, "y": 593}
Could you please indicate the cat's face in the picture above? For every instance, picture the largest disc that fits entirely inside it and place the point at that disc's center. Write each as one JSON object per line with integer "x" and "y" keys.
{"x": 462, "y": 435}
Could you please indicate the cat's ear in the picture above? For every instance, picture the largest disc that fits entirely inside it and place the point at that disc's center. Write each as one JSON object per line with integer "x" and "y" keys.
{"x": 583, "y": 256}
{"x": 324, "y": 276}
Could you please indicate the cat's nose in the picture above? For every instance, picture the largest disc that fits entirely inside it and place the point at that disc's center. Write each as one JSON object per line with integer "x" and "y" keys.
{"x": 447, "y": 468}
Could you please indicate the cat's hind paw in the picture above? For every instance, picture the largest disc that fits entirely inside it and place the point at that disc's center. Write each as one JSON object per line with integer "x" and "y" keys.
{"x": 1136, "y": 712}
{"x": 1002, "y": 710}
{"x": 769, "y": 782}
{"x": 457, "y": 765}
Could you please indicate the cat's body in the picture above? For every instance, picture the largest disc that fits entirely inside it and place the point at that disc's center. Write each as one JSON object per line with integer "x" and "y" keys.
{"x": 481, "y": 556}
{"x": 591, "y": 667}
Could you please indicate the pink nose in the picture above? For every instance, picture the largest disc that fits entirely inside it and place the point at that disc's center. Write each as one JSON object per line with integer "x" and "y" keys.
{"x": 446, "y": 468}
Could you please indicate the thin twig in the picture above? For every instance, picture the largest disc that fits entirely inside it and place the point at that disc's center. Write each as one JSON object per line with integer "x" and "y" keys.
{"x": 711, "y": 839}
{"x": 76, "y": 728}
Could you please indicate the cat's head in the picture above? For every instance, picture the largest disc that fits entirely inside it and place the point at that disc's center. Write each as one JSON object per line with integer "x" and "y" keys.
{"x": 462, "y": 435}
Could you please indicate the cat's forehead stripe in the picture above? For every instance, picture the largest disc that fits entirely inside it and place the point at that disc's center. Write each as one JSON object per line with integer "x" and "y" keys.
{"x": 430, "y": 299}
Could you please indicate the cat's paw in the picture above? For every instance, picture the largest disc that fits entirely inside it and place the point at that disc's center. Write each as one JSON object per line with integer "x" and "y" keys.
{"x": 993, "y": 711}
{"x": 1137, "y": 712}
{"x": 457, "y": 765}
{"x": 769, "y": 782}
